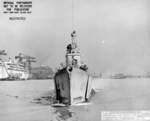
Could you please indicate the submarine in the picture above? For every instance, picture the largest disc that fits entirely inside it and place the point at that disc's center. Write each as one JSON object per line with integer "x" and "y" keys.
{"x": 73, "y": 83}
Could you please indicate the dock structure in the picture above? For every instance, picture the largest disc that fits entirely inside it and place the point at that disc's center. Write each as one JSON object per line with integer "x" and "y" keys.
{"x": 18, "y": 68}
{"x": 3, "y": 71}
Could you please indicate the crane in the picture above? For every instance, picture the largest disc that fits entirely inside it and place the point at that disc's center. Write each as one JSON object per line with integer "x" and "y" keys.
{"x": 27, "y": 60}
{"x": 2, "y": 52}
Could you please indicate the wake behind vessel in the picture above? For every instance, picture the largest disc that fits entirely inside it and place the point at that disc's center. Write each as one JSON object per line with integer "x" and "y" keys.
{"x": 72, "y": 82}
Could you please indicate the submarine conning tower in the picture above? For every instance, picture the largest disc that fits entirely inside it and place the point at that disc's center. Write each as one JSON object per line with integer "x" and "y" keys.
{"x": 73, "y": 52}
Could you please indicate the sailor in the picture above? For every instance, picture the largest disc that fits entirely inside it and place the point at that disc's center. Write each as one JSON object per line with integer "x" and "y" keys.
{"x": 69, "y": 48}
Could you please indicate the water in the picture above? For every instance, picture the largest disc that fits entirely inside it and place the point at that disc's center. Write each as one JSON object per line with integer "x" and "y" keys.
{"x": 31, "y": 100}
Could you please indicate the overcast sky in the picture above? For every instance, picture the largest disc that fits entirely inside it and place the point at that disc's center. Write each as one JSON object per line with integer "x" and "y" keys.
{"x": 113, "y": 35}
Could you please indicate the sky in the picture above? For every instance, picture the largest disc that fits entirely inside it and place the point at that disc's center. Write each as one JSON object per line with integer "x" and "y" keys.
{"x": 113, "y": 35}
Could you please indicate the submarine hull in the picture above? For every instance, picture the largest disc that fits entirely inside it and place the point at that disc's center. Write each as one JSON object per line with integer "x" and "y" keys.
{"x": 73, "y": 86}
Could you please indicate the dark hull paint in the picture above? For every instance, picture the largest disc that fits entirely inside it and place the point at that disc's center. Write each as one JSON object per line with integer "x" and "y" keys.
{"x": 62, "y": 86}
{"x": 72, "y": 87}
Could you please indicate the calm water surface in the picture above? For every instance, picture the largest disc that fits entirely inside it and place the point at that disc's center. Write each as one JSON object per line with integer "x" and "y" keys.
{"x": 31, "y": 100}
